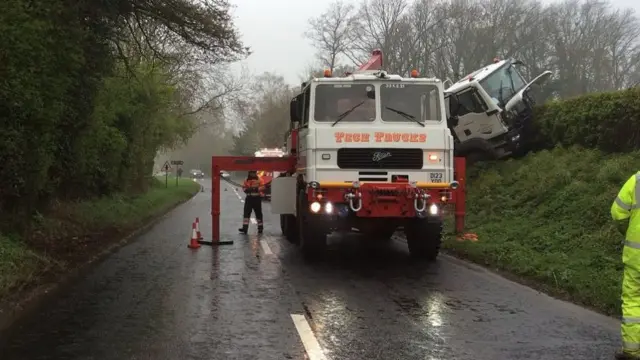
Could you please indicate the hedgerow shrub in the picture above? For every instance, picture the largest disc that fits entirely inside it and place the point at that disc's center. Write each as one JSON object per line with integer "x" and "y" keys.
{"x": 606, "y": 121}
{"x": 76, "y": 123}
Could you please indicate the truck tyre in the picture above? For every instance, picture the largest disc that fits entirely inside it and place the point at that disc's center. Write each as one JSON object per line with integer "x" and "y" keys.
{"x": 312, "y": 239}
{"x": 289, "y": 228}
{"x": 424, "y": 237}
{"x": 475, "y": 157}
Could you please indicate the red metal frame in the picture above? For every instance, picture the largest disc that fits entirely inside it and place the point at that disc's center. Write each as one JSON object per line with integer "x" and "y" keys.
{"x": 460, "y": 195}
{"x": 377, "y": 205}
{"x": 239, "y": 163}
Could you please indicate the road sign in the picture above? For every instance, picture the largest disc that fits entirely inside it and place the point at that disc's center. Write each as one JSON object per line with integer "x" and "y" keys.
{"x": 166, "y": 166}
{"x": 177, "y": 162}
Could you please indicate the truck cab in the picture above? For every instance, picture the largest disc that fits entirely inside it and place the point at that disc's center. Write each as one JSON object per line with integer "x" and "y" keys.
{"x": 374, "y": 153}
{"x": 494, "y": 112}
{"x": 374, "y": 128}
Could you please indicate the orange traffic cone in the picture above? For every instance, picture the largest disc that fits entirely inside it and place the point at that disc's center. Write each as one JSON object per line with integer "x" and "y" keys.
{"x": 198, "y": 229}
{"x": 194, "y": 244}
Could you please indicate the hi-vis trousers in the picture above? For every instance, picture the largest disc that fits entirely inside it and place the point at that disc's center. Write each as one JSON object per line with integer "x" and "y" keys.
{"x": 631, "y": 299}
{"x": 252, "y": 204}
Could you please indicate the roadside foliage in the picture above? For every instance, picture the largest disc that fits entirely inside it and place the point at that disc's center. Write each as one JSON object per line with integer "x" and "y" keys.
{"x": 90, "y": 92}
{"x": 608, "y": 121}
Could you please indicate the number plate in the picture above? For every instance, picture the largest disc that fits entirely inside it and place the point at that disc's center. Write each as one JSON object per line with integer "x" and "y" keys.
{"x": 436, "y": 177}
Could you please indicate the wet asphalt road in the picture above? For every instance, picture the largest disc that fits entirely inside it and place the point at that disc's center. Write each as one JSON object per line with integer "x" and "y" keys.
{"x": 257, "y": 299}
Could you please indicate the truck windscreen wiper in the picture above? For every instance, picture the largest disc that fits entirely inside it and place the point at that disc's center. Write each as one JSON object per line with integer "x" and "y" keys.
{"x": 405, "y": 115}
{"x": 345, "y": 114}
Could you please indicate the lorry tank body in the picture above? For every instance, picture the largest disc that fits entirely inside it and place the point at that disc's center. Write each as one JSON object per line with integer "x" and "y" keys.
{"x": 495, "y": 112}
{"x": 373, "y": 154}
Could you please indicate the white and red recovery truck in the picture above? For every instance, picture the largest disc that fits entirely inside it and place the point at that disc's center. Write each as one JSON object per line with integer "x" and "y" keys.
{"x": 368, "y": 151}
{"x": 267, "y": 176}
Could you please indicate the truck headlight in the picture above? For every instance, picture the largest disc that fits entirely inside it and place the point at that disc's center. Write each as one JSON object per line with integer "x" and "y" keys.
{"x": 433, "y": 210}
{"x": 328, "y": 208}
{"x": 315, "y": 206}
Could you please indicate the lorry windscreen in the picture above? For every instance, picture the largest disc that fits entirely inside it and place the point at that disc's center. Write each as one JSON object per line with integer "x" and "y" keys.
{"x": 420, "y": 101}
{"x": 503, "y": 84}
{"x": 333, "y": 100}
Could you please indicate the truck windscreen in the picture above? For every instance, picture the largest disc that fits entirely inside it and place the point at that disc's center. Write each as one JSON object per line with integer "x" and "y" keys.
{"x": 410, "y": 102}
{"x": 334, "y": 100}
{"x": 503, "y": 84}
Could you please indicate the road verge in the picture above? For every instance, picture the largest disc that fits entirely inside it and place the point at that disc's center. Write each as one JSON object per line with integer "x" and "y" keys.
{"x": 545, "y": 220}
{"x": 72, "y": 238}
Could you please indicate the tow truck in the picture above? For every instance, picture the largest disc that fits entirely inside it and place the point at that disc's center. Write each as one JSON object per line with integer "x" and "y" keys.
{"x": 494, "y": 112}
{"x": 370, "y": 152}
{"x": 267, "y": 176}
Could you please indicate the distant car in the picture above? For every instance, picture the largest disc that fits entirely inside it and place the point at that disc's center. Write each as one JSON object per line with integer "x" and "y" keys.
{"x": 224, "y": 174}
{"x": 196, "y": 174}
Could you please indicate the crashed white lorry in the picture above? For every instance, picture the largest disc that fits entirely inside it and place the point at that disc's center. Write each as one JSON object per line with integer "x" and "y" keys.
{"x": 495, "y": 112}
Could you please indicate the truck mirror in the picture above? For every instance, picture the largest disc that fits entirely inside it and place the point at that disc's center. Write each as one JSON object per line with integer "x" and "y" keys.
{"x": 294, "y": 112}
{"x": 371, "y": 95}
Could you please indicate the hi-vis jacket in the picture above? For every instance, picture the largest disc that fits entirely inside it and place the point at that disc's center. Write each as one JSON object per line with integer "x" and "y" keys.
{"x": 627, "y": 206}
{"x": 253, "y": 187}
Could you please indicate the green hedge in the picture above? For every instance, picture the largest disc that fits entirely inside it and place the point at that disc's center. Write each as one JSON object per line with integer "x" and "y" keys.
{"x": 606, "y": 121}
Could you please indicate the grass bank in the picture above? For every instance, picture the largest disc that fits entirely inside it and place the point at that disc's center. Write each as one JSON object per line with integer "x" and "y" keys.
{"x": 71, "y": 233}
{"x": 546, "y": 218}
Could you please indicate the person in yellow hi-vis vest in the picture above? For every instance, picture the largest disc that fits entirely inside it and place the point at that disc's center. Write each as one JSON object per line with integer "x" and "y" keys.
{"x": 625, "y": 210}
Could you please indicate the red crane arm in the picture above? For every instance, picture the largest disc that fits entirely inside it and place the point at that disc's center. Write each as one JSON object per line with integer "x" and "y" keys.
{"x": 374, "y": 63}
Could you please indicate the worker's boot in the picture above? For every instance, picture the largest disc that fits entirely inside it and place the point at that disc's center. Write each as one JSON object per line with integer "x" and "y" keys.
{"x": 244, "y": 229}
{"x": 626, "y": 356}
{"x": 260, "y": 229}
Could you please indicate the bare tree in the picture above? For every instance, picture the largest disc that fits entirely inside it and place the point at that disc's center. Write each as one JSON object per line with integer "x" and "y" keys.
{"x": 330, "y": 32}
{"x": 378, "y": 25}
{"x": 587, "y": 44}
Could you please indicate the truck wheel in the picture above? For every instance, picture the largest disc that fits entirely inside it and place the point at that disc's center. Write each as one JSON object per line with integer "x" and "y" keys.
{"x": 312, "y": 239}
{"x": 475, "y": 157}
{"x": 424, "y": 237}
{"x": 289, "y": 228}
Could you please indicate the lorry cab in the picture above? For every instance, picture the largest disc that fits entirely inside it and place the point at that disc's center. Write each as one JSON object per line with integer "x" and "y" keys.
{"x": 373, "y": 127}
{"x": 494, "y": 112}
{"x": 373, "y": 154}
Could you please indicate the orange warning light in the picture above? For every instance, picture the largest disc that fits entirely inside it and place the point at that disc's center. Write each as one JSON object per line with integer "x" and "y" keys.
{"x": 327, "y": 73}
{"x": 414, "y": 73}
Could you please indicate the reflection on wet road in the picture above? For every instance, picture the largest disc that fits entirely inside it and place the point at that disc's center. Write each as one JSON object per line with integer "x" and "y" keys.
{"x": 257, "y": 299}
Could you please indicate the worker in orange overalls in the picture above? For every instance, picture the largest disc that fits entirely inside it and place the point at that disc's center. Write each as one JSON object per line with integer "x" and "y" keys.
{"x": 261, "y": 177}
{"x": 252, "y": 202}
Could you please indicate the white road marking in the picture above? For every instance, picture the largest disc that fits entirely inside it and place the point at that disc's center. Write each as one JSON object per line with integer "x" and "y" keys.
{"x": 309, "y": 341}
{"x": 266, "y": 248}
{"x": 237, "y": 194}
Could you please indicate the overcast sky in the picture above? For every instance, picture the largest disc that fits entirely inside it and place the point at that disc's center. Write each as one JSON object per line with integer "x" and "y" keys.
{"x": 273, "y": 29}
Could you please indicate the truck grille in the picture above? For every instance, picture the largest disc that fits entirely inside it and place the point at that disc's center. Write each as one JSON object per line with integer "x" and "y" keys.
{"x": 376, "y": 158}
